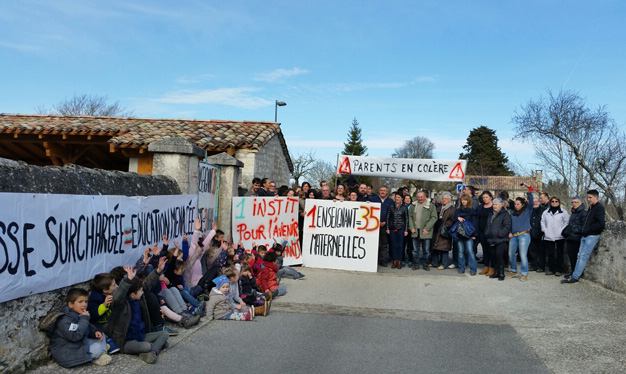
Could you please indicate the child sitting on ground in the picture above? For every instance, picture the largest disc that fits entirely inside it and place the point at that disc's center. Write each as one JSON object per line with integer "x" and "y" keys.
{"x": 267, "y": 276}
{"x": 99, "y": 304}
{"x": 73, "y": 340}
{"x": 250, "y": 292}
{"x": 129, "y": 323}
{"x": 284, "y": 271}
{"x": 258, "y": 260}
{"x": 174, "y": 274}
{"x": 219, "y": 306}
{"x": 233, "y": 292}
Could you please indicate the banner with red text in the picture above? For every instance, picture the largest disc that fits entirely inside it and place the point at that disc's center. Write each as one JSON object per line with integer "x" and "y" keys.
{"x": 264, "y": 220}
{"x": 341, "y": 235}
{"x": 404, "y": 168}
{"x": 52, "y": 241}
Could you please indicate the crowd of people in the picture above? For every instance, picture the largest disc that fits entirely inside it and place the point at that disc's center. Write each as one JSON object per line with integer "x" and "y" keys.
{"x": 443, "y": 233}
{"x": 128, "y": 309}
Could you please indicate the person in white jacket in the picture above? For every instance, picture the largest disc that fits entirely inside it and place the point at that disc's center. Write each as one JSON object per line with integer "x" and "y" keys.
{"x": 553, "y": 221}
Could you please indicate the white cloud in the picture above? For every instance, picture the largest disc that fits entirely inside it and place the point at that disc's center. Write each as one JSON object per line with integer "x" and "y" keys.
{"x": 279, "y": 74}
{"x": 21, "y": 47}
{"x": 193, "y": 79}
{"x": 236, "y": 96}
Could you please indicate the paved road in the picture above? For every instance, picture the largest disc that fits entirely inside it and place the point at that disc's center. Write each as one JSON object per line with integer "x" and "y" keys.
{"x": 406, "y": 321}
{"x": 314, "y": 343}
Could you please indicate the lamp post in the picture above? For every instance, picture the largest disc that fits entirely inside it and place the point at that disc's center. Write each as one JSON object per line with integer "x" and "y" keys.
{"x": 278, "y": 103}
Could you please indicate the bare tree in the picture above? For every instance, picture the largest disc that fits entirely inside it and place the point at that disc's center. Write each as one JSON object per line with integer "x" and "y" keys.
{"x": 302, "y": 163}
{"x": 418, "y": 147}
{"x": 582, "y": 146}
{"x": 87, "y": 105}
{"x": 320, "y": 171}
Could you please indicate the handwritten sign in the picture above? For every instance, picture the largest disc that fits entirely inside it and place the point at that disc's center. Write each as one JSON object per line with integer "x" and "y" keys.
{"x": 262, "y": 220}
{"x": 52, "y": 241}
{"x": 341, "y": 235}
{"x": 405, "y": 168}
{"x": 207, "y": 194}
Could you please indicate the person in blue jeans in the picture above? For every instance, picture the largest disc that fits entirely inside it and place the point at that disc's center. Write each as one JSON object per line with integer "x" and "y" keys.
{"x": 592, "y": 228}
{"x": 520, "y": 234}
{"x": 466, "y": 212}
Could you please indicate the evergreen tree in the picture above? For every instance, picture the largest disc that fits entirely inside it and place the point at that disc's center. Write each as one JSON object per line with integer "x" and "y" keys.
{"x": 483, "y": 155}
{"x": 354, "y": 146}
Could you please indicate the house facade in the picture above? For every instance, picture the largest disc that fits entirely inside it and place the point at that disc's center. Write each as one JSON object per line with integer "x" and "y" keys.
{"x": 115, "y": 143}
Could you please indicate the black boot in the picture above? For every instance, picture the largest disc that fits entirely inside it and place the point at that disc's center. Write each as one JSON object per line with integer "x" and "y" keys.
{"x": 501, "y": 272}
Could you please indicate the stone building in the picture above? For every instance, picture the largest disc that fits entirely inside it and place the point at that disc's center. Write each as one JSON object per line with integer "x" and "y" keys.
{"x": 147, "y": 146}
{"x": 513, "y": 185}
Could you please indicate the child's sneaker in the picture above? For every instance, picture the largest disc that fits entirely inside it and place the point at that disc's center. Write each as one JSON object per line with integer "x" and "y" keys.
{"x": 102, "y": 360}
{"x": 248, "y": 315}
{"x": 189, "y": 321}
{"x": 111, "y": 346}
{"x": 171, "y": 332}
{"x": 149, "y": 357}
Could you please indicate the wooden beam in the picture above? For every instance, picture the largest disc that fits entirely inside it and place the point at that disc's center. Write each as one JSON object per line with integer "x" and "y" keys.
{"x": 53, "y": 149}
{"x": 77, "y": 152}
{"x": 112, "y": 148}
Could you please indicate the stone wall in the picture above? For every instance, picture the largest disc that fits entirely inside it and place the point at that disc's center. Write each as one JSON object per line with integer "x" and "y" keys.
{"x": 607, "y": 264}
{"x": 248, "y": 171}
{"x": 17, "y": 176}
{"x": 21, "y": 343}
{"x": 270, "y": 162}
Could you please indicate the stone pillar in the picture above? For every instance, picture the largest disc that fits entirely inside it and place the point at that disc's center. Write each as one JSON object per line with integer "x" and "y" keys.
{"x": 230, "y": 172}
{"x": 177, "y": 158}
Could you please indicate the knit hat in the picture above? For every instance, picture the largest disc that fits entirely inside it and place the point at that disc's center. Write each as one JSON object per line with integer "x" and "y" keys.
{"x": 219, "y": 281}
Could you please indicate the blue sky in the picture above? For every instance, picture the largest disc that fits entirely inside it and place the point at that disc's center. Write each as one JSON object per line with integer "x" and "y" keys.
{"x": 402, "y": 68}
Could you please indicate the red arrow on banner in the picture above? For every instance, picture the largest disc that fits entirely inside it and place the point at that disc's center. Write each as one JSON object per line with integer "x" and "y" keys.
{"x": 344, "y": 166}
{"x": 457, "y": 172}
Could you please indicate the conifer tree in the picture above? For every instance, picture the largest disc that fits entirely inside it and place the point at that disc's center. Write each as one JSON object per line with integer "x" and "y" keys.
{"x": 483, "y": 155}
{"x": 354, "y": 146}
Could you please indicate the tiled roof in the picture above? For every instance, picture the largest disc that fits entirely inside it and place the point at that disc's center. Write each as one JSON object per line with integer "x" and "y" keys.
{"x": 209, "y": 135}
{"x": 500, "y": 183}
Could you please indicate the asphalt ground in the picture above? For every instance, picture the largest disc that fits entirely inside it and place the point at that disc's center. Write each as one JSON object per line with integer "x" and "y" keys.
{"x": 397, "y": 321}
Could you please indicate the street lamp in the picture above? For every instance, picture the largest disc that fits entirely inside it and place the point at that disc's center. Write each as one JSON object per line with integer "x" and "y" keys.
{"x": 278, "y": 103}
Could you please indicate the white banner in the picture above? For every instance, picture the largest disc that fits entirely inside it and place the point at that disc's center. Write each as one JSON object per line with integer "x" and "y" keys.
{"x": 261, "y": 220}
{"x": 52, "y": 241}
{"x": 341, "y": 235}
{"x": 404, "y": 168}
{"x": 208, "y": 189}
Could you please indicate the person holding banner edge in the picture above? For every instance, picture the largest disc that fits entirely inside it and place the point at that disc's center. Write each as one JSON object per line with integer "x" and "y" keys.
{"x": 397, "y": 228}
{"x": 383, "y": 239}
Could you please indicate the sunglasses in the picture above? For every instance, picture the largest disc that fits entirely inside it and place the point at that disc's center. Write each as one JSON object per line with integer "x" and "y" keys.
{"x": 554, "y": 201}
